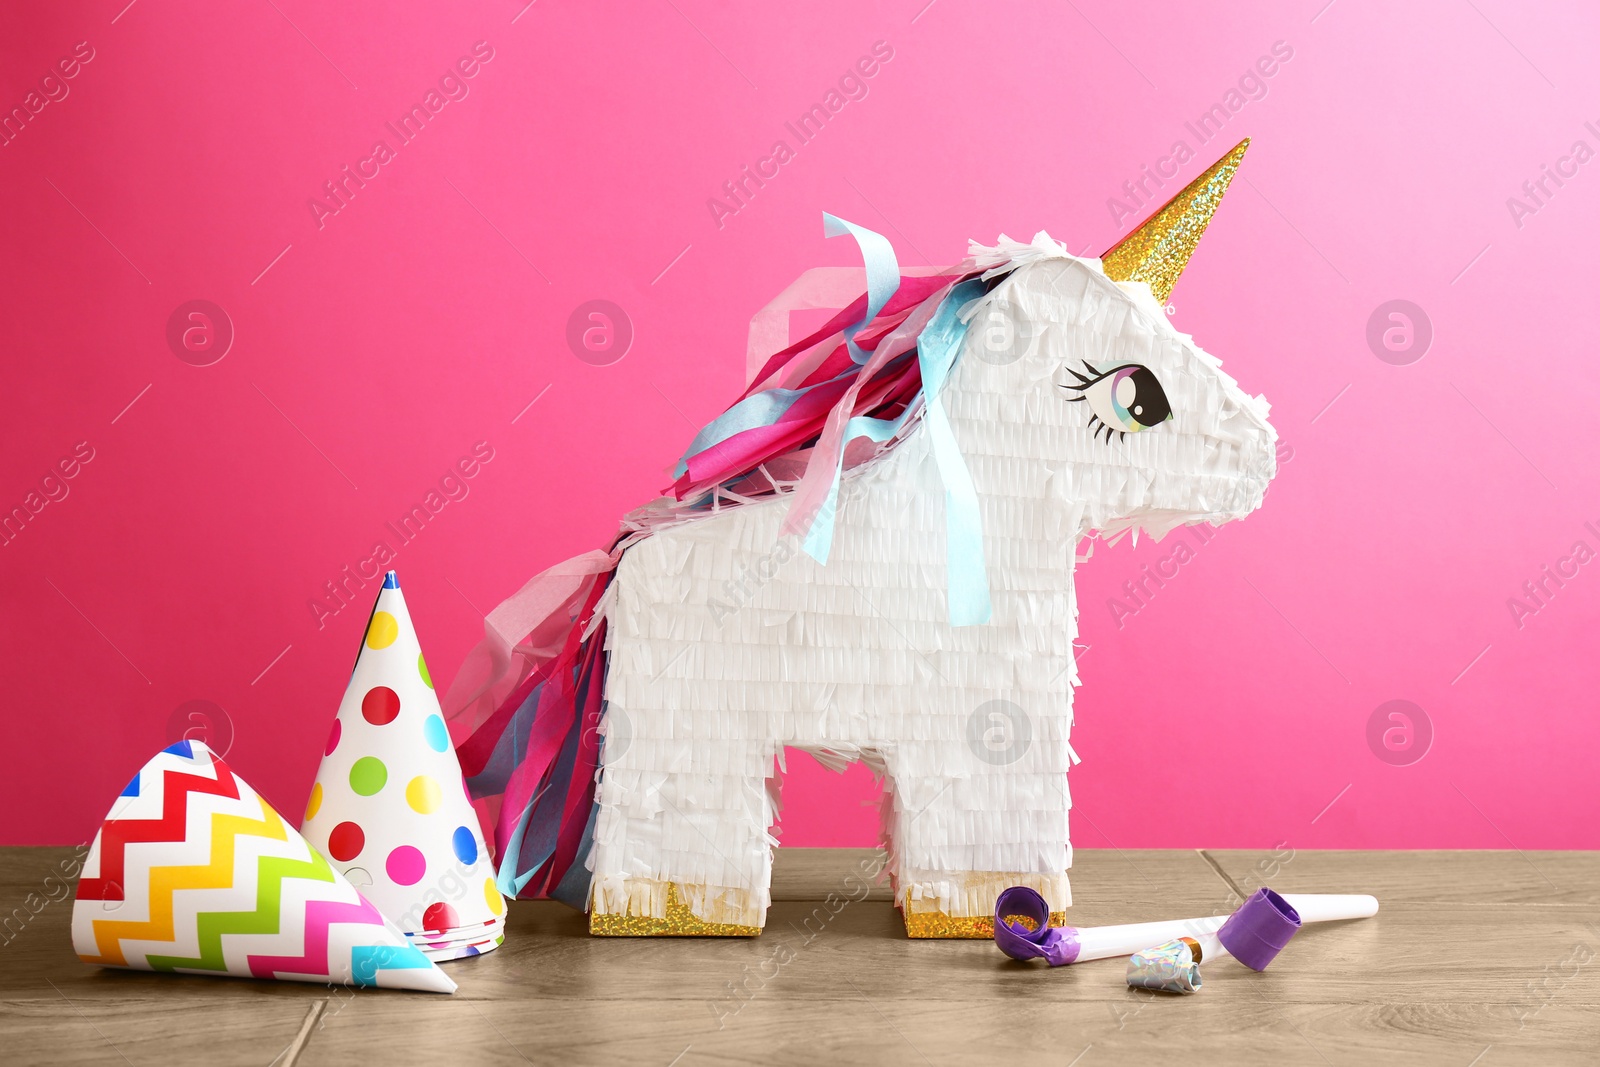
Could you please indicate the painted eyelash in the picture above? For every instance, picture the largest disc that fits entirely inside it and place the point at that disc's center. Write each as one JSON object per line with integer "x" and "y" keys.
{"x": 1095, "y": 422}
{"x": 1147, "y": 407}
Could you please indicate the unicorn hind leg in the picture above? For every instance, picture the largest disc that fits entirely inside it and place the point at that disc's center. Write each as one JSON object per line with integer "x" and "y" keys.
{"x": 681, "y": 843}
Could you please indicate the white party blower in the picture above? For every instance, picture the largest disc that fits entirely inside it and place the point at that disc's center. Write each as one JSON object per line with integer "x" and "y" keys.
{"x": 1254, "y": 934}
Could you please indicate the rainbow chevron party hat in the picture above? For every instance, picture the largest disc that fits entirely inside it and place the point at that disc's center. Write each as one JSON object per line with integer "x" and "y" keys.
{"x": 194, "y": 872}
{"x": 390, "y": 807}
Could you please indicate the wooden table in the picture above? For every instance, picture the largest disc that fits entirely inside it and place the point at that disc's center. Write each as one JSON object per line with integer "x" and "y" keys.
{"x": 1477, "y": 958}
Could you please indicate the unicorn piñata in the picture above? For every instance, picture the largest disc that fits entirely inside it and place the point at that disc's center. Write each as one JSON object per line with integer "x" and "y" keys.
{"x": 869, "y": 557}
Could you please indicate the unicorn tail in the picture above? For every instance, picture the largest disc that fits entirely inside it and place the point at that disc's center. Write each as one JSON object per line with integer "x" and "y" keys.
{"x": 524, "y": 712}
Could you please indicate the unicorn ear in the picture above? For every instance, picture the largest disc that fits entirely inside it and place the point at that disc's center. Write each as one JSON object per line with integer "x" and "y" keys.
{"x": 1159, "y": 249}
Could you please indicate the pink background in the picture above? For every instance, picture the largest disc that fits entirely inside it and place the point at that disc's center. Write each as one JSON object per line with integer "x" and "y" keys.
{"x": 373, "y": 352}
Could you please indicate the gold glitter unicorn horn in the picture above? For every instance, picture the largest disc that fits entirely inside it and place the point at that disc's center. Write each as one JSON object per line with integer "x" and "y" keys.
{"x": 1159, "y": 249}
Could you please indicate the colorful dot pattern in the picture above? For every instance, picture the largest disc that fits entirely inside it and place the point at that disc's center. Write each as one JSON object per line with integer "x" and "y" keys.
{"x": 382, "y": 630}
{"x": 406, "y": 865}
{"x": 433, "y": 730}
{"x": 381, "y": 740}
{"x": 380, "y": 705}
{"x": 424, "y": 795}
{"x": 439, "y": 917}
{"x": 346, "y": 842}
{"x": 491, "y": 894}
{"x": 465, "y": 845}
{"x": 368, "y": 775}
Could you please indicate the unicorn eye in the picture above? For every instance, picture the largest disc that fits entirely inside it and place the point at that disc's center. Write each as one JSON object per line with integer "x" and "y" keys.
{"x": 1123, "y": 400}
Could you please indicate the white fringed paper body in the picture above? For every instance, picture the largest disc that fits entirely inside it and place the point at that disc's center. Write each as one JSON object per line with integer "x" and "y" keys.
{"x": 728, "y": 642}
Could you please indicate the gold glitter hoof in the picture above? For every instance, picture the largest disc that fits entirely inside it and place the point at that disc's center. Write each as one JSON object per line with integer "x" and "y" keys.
{"x": 974, "y": 893}
{"x": 679, "y": 921}
{"x": 966, "y": 927}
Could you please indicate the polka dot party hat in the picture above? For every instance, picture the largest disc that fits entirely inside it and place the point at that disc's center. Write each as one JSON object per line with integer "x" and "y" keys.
{"x": 193, "y": 872}
{"x": 390, "y": 808}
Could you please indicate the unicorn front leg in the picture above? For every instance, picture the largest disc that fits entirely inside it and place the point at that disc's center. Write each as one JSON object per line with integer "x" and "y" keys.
{"x": 994, "y": 817}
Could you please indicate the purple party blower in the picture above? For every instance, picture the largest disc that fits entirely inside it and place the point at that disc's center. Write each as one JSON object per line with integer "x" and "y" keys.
{"x": 1254, "y": 934}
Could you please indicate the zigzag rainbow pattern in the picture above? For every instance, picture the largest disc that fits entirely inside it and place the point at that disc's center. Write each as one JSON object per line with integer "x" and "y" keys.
{"x": 194, "y": 871}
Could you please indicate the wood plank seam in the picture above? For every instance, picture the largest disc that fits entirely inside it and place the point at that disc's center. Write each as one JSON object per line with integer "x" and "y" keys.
{"x": 291, "y": 1054}
{"x": 92, "y": 1024}
{"x": 1228, "y": 881}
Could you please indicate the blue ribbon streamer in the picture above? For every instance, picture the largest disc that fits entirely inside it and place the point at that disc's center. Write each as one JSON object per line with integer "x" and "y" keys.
{"x": 883, "y": 274}
{"x": 768, "y": 406}
{"x": 759, "y": 409}
{"x": 507, "y": 880}
{"x": 883, "y": 279}
{"x": 937, "y": 348}
{"x": 819, "y": 539}
{"x": 573, "y": 890}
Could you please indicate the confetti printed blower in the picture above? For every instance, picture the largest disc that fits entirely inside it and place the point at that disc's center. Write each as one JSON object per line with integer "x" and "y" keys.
{"x": 1253, "y": 935}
